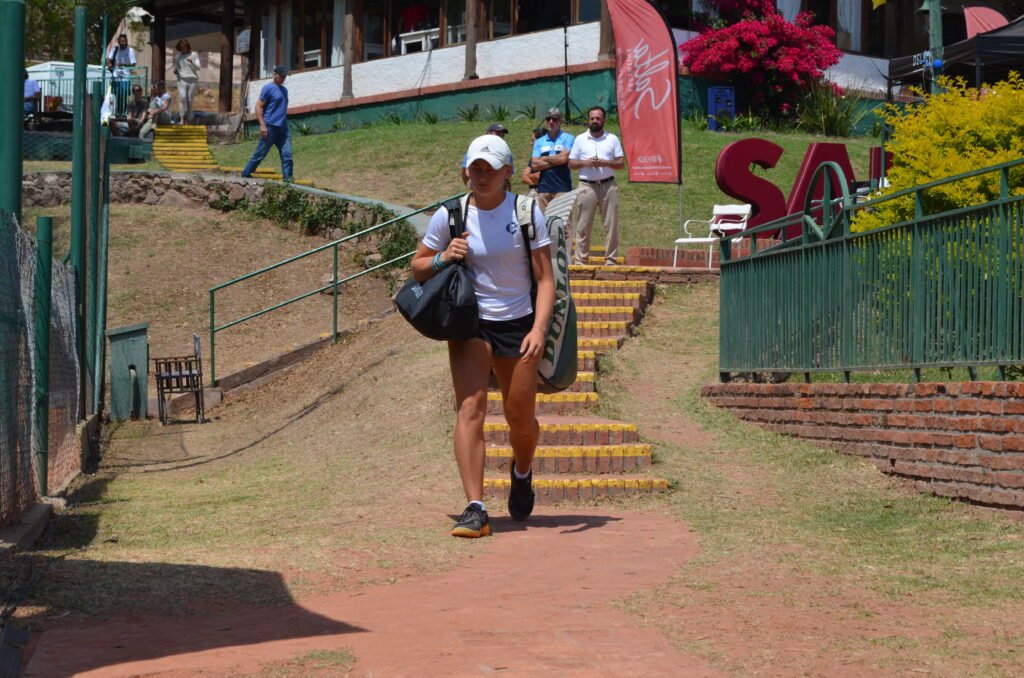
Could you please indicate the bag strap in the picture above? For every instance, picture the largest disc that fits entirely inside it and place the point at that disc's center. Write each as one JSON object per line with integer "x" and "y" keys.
{"x": 457, "y": 209}
{"x": 524, "y": 215}
{"x": 529, "y": 233}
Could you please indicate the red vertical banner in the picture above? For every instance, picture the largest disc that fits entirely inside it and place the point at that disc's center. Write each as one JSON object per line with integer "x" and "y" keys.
{"x": 646, "y": 79}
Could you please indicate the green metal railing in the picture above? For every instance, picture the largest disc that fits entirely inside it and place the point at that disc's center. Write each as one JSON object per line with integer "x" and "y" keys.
{"x": 59, "y": 93}
{"x": 939, "y": 290}
{"x": 332, "y": 285}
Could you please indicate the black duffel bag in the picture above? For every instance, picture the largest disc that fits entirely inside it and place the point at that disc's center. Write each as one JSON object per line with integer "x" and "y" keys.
{"x": 443, "y": 307}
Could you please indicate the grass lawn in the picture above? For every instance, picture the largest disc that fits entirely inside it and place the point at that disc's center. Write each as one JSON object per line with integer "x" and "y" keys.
{"x": 416, "y": 164}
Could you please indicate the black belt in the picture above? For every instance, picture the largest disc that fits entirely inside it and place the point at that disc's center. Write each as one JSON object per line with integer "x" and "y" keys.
{"x": 598, "y": 182}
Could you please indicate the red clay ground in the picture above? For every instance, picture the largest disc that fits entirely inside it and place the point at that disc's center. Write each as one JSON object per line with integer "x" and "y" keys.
{"x": 532, "y": 601}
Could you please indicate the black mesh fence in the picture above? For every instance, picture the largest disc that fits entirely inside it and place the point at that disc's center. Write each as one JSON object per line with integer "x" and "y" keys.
{"x": 17, "y": 489}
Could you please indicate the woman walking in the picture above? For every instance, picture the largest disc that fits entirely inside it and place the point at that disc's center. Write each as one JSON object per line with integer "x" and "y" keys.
{"x": 186, "y": 67}
{"x": 512, "y": 327}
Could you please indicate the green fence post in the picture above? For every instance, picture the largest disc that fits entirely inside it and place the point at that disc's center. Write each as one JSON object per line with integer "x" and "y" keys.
{"x": 41, "y": 412}
{"x": 213, "y": 334}
{"x": 103, "y": 250}
{"x": 334, "y": 292}
{"x": 12, "y": 54}
{"x": 78, "y": 180}
{"x": 92, "y": 241}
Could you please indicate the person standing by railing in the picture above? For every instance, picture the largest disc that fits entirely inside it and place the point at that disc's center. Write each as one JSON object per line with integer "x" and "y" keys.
{"x": 33, "y": 94}
{"x": 120, "y": 61}
{"x": 186, "y": 67}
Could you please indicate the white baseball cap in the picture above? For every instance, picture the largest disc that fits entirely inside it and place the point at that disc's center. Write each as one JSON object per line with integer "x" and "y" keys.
{"x": 491, "y": 148}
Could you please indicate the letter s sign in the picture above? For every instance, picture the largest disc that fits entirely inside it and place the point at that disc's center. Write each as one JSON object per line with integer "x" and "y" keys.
{"x": 734, "y": 176}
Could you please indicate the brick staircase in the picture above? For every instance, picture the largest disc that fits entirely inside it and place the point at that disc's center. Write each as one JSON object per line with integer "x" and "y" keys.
{"x": 182, "y": 148}
{"x": 581, "y": 456}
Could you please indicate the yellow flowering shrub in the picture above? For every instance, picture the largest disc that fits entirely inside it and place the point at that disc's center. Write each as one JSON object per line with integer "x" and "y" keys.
{"x": 953, "y": 131}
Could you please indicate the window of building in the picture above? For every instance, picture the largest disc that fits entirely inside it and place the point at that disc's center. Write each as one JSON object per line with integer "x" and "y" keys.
{"x": 374, "y": 29}
{"x": 588, "y": 10}
{"x": 455, "y": 22}
{"x": 499, "y": 18}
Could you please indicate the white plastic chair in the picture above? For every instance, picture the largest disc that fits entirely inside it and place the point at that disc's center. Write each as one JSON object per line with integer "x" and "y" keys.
{"x": 725, "y": 220}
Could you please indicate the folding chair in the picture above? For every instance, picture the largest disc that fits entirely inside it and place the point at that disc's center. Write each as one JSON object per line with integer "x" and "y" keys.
{"x": 725, "y": 220}
{"x": 180, "y": 374}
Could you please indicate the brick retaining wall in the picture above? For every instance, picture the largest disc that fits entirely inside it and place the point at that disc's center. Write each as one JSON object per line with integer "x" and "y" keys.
{"x": 962, "y": 440}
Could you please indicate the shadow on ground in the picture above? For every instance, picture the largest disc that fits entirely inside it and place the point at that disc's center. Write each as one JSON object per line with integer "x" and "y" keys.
{"x": 126, "y": 642}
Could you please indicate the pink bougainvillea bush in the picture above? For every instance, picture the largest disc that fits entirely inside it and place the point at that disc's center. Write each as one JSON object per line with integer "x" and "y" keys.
{"x": 776, "y": 61}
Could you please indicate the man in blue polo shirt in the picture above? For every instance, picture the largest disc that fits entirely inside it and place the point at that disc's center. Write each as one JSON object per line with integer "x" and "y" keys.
{"x": 272, "y": 112}
{"x": 551, "y": 159}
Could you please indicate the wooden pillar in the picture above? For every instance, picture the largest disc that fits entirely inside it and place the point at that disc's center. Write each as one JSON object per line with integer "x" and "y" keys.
{"x": 348, "y": 47}
{"x": 472, "y": 32}
{"x": 227, "y": 54}
{"x": 606, "y": 43}
{"x": 158, "y": 39}
{"x": 253, "y": 14}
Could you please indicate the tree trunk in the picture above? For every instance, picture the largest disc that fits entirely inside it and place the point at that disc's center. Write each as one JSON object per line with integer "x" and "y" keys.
{"x": 606, "y": 43}
{"x": 472, "y": 26}
{"x": 227, "y": 54}
{"x": 350, "y": 35}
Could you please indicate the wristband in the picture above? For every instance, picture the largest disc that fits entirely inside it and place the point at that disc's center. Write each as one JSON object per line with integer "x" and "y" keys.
{"x": 437, "y": 264}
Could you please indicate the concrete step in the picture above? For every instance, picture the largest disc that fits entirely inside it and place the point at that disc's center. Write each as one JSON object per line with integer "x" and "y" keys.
{"x": 599, "y": 259}
{"x": 566, "y": 402}
{"x": 587, "y": 286}
{"x": 586, "y": 361}
{"x": 584, "y": 383}
{"x": 624, "y": 271}
{"x": 553, "y": 490}
{"x": 609, "y": 299}
{"x": 566, "y": 430}
{"x": 599, "y": 344}
{"x": 626, "y": 314}
{"x": 612, "y": 329}
{"x": 599, "y": 459}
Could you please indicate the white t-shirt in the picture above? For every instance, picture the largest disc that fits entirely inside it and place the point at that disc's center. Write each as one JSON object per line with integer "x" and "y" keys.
{"x": 122, "y": 58}
{"x": 605, "y": 147}
{"x": 497, "y": 260}
{"x": 187, "y": 66}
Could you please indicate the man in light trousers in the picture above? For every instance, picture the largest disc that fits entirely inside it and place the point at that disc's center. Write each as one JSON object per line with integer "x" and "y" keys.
{"x": 595, "y": 155}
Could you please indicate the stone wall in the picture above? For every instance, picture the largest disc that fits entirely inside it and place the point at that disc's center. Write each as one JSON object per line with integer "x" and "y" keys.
{"x": 50, "y": 189}
{"x": 963, "y": 440}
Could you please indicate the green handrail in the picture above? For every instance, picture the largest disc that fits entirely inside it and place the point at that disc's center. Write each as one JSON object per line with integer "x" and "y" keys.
{"x": 333, "y": 285}
{"x": 944, "y": 289}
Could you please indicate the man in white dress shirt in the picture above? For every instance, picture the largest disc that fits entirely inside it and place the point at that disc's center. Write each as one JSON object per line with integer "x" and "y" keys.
{"x": 596, "y": 154}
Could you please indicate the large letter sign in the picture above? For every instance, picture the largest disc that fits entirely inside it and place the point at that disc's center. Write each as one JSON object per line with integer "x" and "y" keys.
{"x": 735, "y": 178}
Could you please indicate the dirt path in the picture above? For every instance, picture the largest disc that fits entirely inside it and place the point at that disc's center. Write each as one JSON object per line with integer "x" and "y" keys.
{"x": 532, "y": 601}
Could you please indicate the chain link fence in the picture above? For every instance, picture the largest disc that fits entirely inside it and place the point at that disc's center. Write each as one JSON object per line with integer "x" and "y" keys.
{"x": 64, "y": 373}
{"x": 18, "y": 479}
{"x": 17, "y": 488}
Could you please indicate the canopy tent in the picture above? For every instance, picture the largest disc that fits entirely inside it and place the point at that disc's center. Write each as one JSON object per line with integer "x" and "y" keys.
{"x": 986, "y": 57}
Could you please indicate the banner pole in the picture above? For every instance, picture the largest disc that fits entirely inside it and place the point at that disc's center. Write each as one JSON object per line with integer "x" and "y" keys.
{"x": 680, "y": 206}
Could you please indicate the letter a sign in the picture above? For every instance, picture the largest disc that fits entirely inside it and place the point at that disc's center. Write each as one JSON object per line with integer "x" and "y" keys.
{"x": 646, "y": 77}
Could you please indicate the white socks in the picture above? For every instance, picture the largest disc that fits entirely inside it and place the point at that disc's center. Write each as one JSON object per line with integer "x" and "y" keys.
{"x": 479, "y": 505}
{"x": 520, "y": 476}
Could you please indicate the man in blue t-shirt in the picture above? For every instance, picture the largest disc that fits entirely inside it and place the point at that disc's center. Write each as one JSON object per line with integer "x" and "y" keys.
{"x": 551, "y": 159}
{"x": 272, "y": 112}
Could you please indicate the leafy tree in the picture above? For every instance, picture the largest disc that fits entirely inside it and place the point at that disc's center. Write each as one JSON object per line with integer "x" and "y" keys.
{"x": 50, "y": 27}
{"x": 774, "y": 60}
